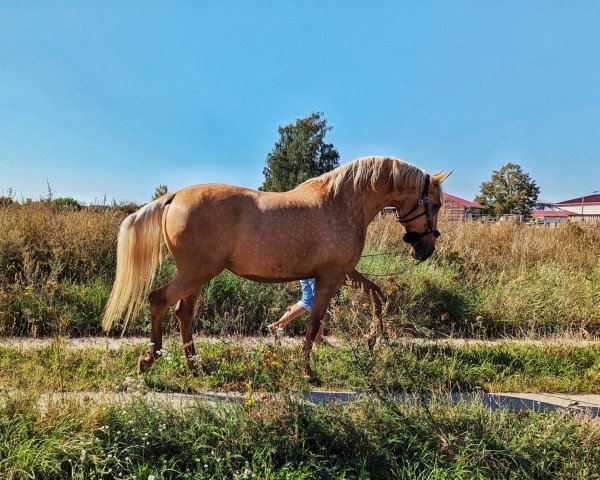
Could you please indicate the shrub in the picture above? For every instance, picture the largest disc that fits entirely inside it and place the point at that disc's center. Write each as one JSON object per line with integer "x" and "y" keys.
{"x": 66, "y": 203}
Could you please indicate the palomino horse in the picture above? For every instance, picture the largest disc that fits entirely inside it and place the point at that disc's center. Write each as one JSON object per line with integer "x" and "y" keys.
{"x": 317, "y": 230}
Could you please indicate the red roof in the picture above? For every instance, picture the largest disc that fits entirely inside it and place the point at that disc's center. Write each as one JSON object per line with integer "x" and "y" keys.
{"x": 552, "y": 213}
{"x": 577, "y": 201}
{"x": 461, "y": 201}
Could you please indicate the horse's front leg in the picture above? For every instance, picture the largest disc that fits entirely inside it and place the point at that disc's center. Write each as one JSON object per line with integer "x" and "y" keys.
{"x": 325, "y": 289}
{"x": 357, "y": 280}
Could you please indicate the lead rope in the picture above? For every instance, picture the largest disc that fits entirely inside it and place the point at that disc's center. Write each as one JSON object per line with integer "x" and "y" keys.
{"x": 384, "y": 253}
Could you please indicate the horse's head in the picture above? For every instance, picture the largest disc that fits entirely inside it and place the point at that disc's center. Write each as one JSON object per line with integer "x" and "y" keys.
{"x": 419, "y": 216}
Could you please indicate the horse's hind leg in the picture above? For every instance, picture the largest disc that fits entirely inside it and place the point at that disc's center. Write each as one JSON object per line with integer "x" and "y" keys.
{"x": 160, "y": 301}
{"x": 359, "y": 281}
{"x": 185, "y": 314}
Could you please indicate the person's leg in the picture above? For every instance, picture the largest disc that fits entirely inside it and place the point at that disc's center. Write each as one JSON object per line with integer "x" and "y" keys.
{"x": 292, "y": 312}
{"x": 304, "y": 305}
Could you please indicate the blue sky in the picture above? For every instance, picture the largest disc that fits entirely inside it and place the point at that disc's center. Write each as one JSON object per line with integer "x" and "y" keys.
{"x": 101, "y": 98}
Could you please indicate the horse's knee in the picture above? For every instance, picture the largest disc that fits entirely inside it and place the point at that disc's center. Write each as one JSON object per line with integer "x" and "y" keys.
{"x": 371, "y": 288}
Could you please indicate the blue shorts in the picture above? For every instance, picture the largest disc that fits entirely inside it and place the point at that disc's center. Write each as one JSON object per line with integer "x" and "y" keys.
{"x": 308, "y": 293}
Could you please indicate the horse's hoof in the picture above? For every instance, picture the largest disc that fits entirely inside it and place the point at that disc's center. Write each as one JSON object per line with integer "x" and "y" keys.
{"x": 144, "y": 365}
{"x": 192, "y": 368}
{"x": 371, "y": 340}
{"x": 313, "y": 379}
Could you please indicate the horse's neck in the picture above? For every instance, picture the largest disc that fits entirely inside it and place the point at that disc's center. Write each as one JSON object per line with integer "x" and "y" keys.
{"x": 374, "y": 200}
{"x": 368, "y": 201}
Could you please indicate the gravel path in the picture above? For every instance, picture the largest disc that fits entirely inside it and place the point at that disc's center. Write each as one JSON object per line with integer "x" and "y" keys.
{"x": 111, "y": 343}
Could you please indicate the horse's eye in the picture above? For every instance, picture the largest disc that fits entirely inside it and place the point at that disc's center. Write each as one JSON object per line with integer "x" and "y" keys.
{"x": 436, "y": 207}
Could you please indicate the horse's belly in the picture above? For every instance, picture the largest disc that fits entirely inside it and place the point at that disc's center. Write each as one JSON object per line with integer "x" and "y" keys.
{"x": 270, "y": 279}
{"x": 271, "y": 266}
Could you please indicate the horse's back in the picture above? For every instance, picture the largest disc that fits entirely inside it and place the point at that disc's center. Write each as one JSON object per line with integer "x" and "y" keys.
{"x": 221, "y": 214}
{"x": 255, "y": 234}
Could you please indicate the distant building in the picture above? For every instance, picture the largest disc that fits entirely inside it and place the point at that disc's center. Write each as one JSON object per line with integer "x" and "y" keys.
{"x": 552, "y": 216}
{"x": 456, "y": 208}
{"x": 586, "y": 205}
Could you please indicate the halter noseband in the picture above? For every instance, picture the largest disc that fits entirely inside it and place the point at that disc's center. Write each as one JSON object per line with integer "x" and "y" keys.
{"x": 413, "y": 237}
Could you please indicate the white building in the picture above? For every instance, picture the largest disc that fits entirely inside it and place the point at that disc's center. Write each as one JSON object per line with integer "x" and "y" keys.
{"x": 587, "y": 205}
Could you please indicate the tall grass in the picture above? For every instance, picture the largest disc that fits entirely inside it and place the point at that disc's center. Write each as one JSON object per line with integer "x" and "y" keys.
{"x": 496, "y": 279}
{"x": 288, "y": 440}
{"x": 57, "y": 267}
{"x": 40, "y": 242}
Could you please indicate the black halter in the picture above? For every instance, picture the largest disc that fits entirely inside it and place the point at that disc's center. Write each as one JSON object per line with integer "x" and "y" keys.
{"x": 414, "y": 237}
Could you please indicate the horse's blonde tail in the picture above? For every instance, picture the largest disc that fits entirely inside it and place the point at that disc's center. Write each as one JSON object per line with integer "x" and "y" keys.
{"x": 138, "y": 255}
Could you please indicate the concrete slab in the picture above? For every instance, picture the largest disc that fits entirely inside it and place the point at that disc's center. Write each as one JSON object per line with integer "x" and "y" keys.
{"x": 537, "y": 402}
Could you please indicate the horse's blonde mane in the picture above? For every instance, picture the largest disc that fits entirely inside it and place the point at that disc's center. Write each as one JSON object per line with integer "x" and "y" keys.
{"x": 366, "y": 171}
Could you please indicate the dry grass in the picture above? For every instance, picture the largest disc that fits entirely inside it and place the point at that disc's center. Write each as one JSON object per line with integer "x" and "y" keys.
{"x": 57, "y": 265}
{"x": 501, "y": 279}
{"x": 39, "y": 242}
{"x": 505, "y": 245}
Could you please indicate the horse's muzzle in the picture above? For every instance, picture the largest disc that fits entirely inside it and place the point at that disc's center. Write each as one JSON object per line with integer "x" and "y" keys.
{"x": 423, "y": 249}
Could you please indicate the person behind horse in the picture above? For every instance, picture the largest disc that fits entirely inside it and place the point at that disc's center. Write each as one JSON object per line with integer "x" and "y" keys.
{"x": 304, "y": 305}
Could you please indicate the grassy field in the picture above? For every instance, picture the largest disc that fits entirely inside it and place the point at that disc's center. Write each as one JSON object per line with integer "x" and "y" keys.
{"x": 229, "y": 366}
{"x": 485, "y": 281}
{"x": 277, "y": 437}
{"x": 283, "y": 439}
{"x": 57, "y": 266}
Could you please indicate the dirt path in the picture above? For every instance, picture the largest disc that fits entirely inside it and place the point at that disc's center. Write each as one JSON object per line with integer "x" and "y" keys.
{"x": 110, "y": 343}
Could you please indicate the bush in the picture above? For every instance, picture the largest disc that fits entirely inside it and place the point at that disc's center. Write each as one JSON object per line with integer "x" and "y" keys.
{"x": 66, "y": 203}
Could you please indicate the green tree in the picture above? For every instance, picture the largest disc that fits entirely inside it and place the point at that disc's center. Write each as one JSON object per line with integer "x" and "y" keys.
{"x": 66, "y": 203}
{"x": 509, "y": 191}
{"x": 300, "y": 154}
{"x": 160, "y": 191}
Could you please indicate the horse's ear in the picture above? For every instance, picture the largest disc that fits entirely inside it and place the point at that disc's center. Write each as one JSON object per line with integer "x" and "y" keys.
{"x": 439, "y": 177}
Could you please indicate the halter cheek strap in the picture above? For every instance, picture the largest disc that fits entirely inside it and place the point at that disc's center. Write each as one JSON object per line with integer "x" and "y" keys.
{"x": 413, "y": 237}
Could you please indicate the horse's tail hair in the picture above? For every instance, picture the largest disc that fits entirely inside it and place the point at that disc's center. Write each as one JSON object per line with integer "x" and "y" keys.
{"x": 138, "y": 254}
